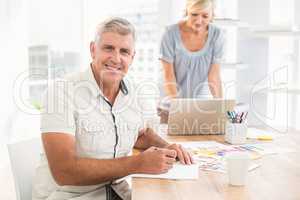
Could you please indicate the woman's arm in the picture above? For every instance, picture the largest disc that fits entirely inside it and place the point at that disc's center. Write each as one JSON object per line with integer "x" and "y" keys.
{"x": 214, "y": 81}
{"x": 169, "y": 79}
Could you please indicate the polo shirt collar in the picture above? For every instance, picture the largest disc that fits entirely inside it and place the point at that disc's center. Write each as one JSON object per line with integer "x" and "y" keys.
{"x": 89, "y": 76}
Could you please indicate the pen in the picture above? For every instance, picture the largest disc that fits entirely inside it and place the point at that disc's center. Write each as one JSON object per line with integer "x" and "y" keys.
{"x": 233, "y": 117}
{"x": 254, "y": 147}
{"x": 247, "y": 148}
{"x": 237, "y": 118}
{"x": 245, "y": 116}
{"x": 241, "y": 117}
{"x": 230, "y": 116}
{"x": 234, "y": 114}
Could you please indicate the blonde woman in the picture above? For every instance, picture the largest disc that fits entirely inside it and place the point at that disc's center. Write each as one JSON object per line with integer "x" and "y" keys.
{"x": 191, "y": 52}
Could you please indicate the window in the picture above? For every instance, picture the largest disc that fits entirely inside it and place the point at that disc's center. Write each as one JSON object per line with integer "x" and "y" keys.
{"x": 143, "y": 15}
{"x": 282, "y": 12}
{"x": 54, "y": 42}
{"x": 282, "y": 64}
{"x": 226, "y": 12}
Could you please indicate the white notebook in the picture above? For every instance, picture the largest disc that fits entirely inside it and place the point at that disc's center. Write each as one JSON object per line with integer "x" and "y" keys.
{"x": 178, "y": 172}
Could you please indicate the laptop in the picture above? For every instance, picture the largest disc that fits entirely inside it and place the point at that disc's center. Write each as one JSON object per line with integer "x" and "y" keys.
{"x": 198, "y": 116}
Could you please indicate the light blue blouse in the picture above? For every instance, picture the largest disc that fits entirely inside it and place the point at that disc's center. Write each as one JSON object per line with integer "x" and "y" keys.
{"x": 191, "y": 68}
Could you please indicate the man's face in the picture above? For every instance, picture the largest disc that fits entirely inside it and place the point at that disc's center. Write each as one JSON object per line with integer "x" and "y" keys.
{"x": 112, "y": 55}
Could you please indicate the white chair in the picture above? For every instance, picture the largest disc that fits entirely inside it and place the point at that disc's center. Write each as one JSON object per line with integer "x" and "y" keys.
{"x": 24, "y": 158}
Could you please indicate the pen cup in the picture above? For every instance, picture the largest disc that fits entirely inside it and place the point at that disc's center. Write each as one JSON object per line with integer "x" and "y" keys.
{"x": 235, "y": 133}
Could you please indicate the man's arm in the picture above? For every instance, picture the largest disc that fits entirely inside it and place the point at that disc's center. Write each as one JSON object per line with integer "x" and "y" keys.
{"x": 148, "y": 138}
{"x": 69, "y": 169}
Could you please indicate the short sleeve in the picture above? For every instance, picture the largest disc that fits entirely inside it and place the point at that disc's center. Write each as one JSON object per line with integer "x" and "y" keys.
{"x": 57, "y": 114}
{"x": 167, "y": 45}
{"x": 218, "y": 48}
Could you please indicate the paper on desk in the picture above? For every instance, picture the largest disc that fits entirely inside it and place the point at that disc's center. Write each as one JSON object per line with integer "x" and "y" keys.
{"x": 207, "y": 149}
{"x": 203, "y": 144}
{"x": 254, "y": 133}
{"x": 218, "y": 165}
{"x": 268, "y": 148}
{"x": 178, "y": 172}
{"x": 209, "y": 155}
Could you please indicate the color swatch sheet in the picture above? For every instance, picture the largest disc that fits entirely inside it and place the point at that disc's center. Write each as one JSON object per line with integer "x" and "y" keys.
{"x": 210, "y": 155}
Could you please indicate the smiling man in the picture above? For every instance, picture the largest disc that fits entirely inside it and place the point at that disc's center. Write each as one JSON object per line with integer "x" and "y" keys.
{"x": 90, "y": 122}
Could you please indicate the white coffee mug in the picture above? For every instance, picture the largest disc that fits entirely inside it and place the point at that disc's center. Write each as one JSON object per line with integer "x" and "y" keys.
{"x": 237, "y": 164}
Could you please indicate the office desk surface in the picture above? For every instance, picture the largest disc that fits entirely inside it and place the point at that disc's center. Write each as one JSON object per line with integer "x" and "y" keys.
{"x": 278, "y": 178}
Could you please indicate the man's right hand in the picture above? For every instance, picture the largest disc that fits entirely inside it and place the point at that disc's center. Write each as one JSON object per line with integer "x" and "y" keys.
{"x": 155, "y": 160}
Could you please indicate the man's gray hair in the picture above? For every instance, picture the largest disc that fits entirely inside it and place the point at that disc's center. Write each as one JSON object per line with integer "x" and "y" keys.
{"x": 115, "y": 25}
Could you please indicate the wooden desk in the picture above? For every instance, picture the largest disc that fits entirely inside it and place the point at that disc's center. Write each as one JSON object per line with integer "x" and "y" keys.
{"x": 277, "y": 179}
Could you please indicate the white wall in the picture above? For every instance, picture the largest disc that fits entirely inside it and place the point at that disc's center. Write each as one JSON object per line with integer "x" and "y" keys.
{"x": 296, "y": 75}
{"x": 171, "y": 11}
{"x": 254, "y": 53}
{"x": 14, "y": 60}
{"x": 13, "y": 51}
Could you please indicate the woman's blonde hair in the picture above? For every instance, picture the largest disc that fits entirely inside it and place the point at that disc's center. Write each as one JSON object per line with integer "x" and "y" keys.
{"x": 199, "y": 3}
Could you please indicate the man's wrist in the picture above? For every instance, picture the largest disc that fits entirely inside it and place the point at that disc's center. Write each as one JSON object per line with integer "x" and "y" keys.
{"x": 165, "y": 145}
{"x": 133, "y": 164}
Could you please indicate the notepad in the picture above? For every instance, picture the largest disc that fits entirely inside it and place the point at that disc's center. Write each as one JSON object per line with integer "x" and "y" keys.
{"x": 178, "y": 172}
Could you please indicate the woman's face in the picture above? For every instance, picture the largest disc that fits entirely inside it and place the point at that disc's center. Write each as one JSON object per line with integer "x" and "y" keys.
{"x": 198, "y": 18}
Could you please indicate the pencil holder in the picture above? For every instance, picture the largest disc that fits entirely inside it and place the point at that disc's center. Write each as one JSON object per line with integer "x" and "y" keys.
{"x": 235, "y": 133}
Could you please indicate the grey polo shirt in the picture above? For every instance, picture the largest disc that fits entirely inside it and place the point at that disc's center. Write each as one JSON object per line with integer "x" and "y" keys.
{"x": 191, "y": 68}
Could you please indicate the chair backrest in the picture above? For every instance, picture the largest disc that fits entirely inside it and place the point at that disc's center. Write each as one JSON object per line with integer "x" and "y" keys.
{"x": 24, "y": 158}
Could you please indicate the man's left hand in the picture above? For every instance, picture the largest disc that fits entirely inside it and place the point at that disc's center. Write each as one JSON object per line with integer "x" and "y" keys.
{"x": 183, "y": 155}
